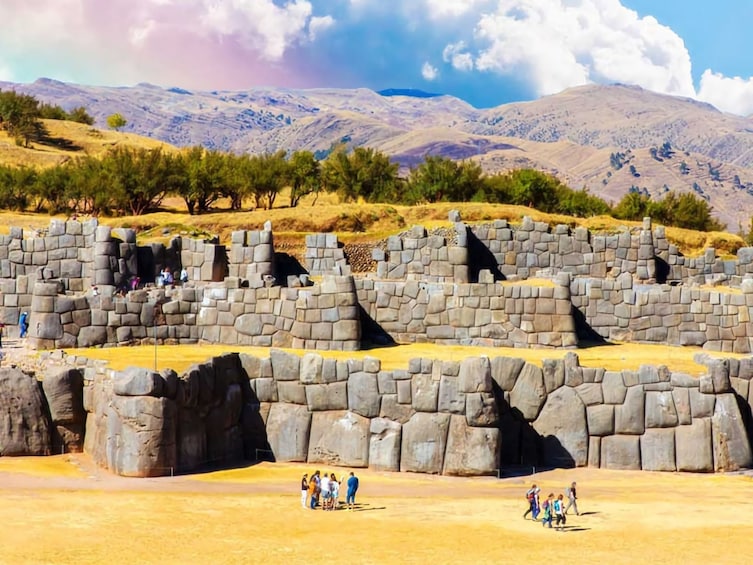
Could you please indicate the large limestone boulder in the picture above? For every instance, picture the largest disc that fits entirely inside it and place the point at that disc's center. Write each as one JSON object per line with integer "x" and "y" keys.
{"x": 693, "y": 446}
{"x": 554, "y": 374}
{"x": 629, "y": 417}
{"x": 384, "y": 445}
{"x": 529, "y": 393}
{"x": 141, "y": 438}
{"x": 600, "y": 420}
{"x": 730, "y": 439}
{"x": 339, "y": 438}
{"x": 24, "y": 424}
{"x": 470, "y": 450}
{"x": 505, "y": 371}
{"x": 137, "y": 381}
{"x": 563, "y": 428}
{"x": 621, "y": 452}
{"x": 660, "y": 410}
{"x": 64, "y": 390}
{"x": 288, "y": 427}
{"x": 450, "y": 398}
{"x": 613, "y": 387}
{"x": 658, "y": 450}
{"x": 327, "y": 397}
{"x": 423, "y": 443}
{"x": 481, "y": 409}
{"x": 424, "y": 393}
{"x": 475, "y": 375}
{"x": 701, "y": 405}
{"x": 363, "y": 394}
{"x": 285, "y": 366}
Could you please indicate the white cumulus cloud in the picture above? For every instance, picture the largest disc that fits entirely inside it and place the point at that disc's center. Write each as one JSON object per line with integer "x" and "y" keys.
{"x": 729, "y": 94}
{"x": 451, "y": 8}
{"x": 429, "y": 72}
{"x": 457, "y": 55}
{"x": 556, "y": 44}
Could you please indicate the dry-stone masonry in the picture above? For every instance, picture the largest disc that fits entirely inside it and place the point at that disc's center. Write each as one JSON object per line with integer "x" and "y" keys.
{"x": 469, "y": 417}
{"x": 445, "y": 287}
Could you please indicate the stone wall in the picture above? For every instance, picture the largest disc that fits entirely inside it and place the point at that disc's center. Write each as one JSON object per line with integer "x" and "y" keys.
{"x": 325, "y": 255}
{"x": 474, "y": 416}
{"x": 617, "y": 309}
{"x": 488, "y": 314}
{"x": 252, "y": 255}
{"x": 324, "y": 316}
{"x": 420, "y": 256}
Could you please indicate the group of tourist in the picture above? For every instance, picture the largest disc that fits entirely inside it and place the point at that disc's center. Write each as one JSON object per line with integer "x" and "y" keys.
{"x": 551, "y": 509}
{"x": 166, "y": 278}
{"x": 323, "y": 490}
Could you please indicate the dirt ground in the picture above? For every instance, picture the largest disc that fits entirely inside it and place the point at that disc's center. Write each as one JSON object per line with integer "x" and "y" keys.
{"x": 63, "y": 509}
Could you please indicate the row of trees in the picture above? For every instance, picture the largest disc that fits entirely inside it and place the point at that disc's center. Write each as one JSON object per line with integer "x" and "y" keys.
{"x": 135, "y": 181}
{"x": 21, "y": 115}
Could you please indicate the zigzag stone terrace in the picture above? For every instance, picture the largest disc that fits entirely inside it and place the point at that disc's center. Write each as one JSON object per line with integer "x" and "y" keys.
{"x": 467, "y": 417}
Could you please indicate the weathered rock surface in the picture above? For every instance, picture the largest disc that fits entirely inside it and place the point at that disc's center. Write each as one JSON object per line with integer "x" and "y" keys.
{"x": 339, "y": 438}
{"x": 529, "y": 394}
{"x": 288, "y": 428}
{"x": 731, "y": 443}
{"x": 563, "y": 428}
{"x": 384, "y": 445}
{"x": 693, "y": 446}
{"x": 64, "y": 390}
{"x": 629, "y": 418}
{"x": 423, "y": 443}
{"x": 658, "y": 450}
{"x": 470, "y": 450}
{"x": 24, "y": 425}
{"x": 621, "y": 452}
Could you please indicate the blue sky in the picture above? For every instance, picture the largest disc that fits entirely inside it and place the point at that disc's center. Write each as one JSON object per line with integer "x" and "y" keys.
{"x": 487, "y": 52}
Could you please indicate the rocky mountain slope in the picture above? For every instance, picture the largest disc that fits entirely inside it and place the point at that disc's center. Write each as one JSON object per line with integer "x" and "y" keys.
{"x": 609, "y": 139}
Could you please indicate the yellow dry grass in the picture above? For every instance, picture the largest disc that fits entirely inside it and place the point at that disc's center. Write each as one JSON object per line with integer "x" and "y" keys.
{"x": 253, "y": 515}
{"x": 79, "y": 139}
{"x": 613, "y": 357}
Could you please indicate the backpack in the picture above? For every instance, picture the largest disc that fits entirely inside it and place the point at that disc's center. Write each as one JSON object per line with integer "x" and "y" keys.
{"x": 568, "y": 491}
{"x": 529, "y": 495}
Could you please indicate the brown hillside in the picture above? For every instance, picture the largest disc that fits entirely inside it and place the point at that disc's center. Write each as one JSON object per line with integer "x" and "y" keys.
{"x": 68, "y": 140}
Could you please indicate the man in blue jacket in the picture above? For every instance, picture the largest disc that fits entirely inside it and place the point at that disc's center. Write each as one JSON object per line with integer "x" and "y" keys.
{"x": 352, "y": 489}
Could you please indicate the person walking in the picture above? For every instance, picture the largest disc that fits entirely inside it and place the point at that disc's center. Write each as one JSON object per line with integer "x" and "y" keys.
{"x": 548, "y": 509}
{"x": 559, "y": 513}
{"x": 350, "y": 498}
{"x": 23, "y": 324}
{"x": 304, "y": 489}
{"x": 531, "y": 498}
{"x": 572, "y": 499}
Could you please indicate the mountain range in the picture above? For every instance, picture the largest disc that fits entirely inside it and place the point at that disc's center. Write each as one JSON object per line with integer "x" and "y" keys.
{"x": 608, "y": 139}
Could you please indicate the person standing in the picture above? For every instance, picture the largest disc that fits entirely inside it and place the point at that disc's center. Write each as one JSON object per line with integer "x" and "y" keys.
{"x": 314, "y": 490}
{"x": 324, "y": 485}
{"x": 23, "y": 324}
{"x": 559, "y": 513}
{"x": 304, "y": 490}
{"x": 531, "y": 498}
{"x": 572, "y": 497}
{"x": 350, "y": 499}
{"x": 334, "y": 486}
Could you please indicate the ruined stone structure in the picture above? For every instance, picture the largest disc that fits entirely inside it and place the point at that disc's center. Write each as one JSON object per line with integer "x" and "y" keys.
{"x": 470, "y": 417}
{"x": 464, "y": 285}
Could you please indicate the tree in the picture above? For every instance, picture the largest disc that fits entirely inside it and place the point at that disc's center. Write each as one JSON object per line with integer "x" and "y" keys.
{"x": 442, "y": 179}
{"x": 116, "y": 121}
{"x": 19, "y": 116}
{"x": 365, "y": 173}
{"x": 305, "y": 176}
{"x": 269, "y": 175}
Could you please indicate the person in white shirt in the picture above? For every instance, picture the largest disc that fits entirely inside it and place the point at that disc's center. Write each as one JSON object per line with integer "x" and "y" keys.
{"x": 326, "y": 493}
